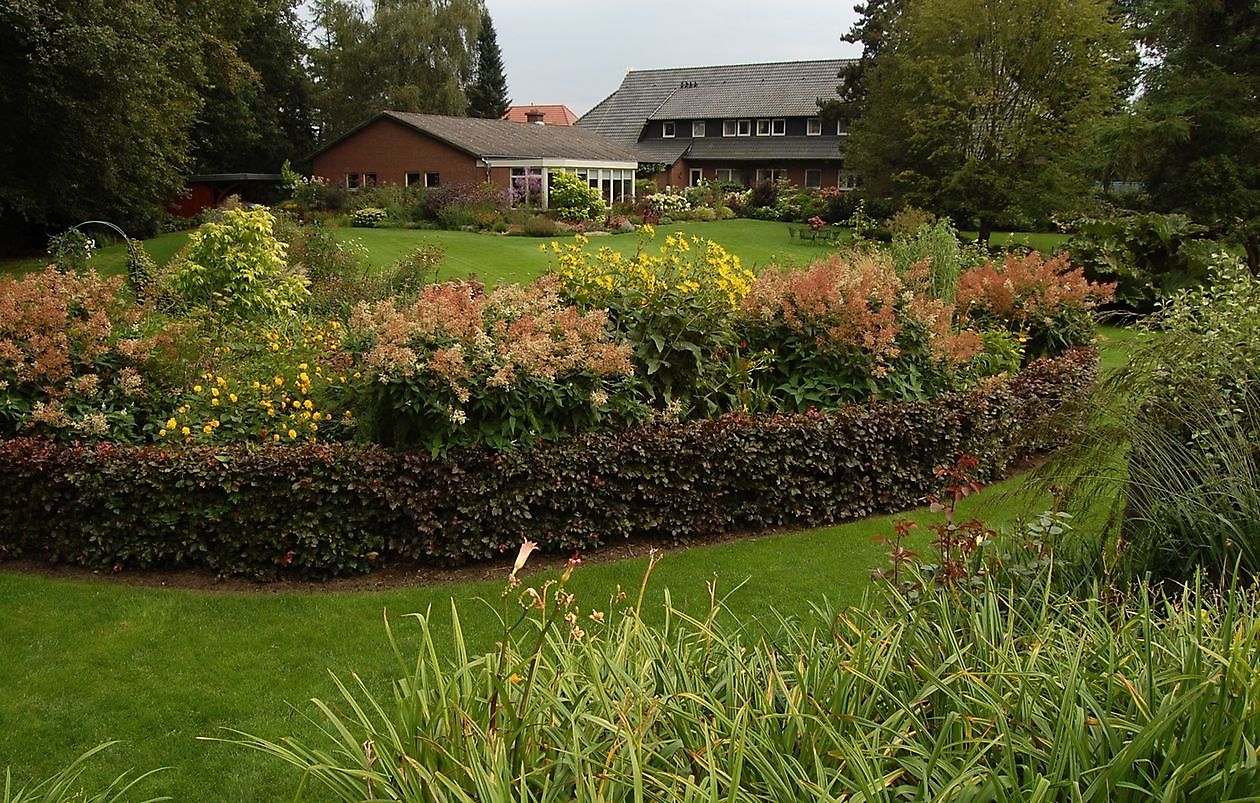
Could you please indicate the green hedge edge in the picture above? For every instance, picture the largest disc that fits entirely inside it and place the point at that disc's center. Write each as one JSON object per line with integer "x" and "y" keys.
{"x": 317, "y": 511}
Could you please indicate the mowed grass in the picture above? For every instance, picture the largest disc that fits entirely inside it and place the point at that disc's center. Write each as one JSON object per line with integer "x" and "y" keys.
{"x": 92, "y": 660}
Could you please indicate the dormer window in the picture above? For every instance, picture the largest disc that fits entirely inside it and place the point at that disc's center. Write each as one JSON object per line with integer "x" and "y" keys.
{"x": 697, "y": 128}
{"x": 745, "y": 128}
{"x": 763, "y": 128}
{"x": 778, "y": 127}
{"x": 842, "y": 128}
{"x": 667, "y": 129}
{"x": 813, "y": 127}
{"x": 729, "y": 127}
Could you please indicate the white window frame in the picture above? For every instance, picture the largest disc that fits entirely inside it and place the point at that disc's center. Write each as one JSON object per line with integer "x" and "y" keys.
{"x": 770, "y": 174}
{"x": 695, "y": 176}
{"x": 353, "y": 181}
{"x": 848, "y": 180}
{"x": 407, "y": 180}
{"x": 813, "y": 127}
{"x": 437, "y": 175}
{"x": 730, "y": 128}
{"x": 745, "y": 128}
{"x": 778, "y": 127}
{"x": 763, "y": 127}
{"x": 697, "y": 129}
{"x": 729, "y": 175}
{"x": 841, "y": 129}
{"x": 817, "y": 174}
{"x": 668, "y": 129}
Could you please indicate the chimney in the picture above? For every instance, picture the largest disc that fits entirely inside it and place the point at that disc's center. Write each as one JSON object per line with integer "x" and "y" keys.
{"x": 534, "y": 116}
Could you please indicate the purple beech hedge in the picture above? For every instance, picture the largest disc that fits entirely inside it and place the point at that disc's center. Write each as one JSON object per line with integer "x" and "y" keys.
{"x": 319, "y": 511}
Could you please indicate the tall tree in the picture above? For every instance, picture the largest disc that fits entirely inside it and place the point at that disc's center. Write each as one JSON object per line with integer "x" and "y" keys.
{"x": 487, "y": 94}
{"x": 101, "y": 94}
{"x": 256, "y": 93}
{"x": 1203, "y": 100}
{"x": 406, "y": 55}
{"x": 977, "y": 108}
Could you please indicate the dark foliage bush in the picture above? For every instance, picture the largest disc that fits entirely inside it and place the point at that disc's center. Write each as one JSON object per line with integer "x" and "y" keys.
{"x": 317, "y": 510}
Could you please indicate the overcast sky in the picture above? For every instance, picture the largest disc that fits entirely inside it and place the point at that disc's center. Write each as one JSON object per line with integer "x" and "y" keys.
{"x": 576, "y": 52}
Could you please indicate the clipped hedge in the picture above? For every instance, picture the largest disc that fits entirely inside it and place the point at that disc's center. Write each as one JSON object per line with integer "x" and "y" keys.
{"x": 319, "y": 510}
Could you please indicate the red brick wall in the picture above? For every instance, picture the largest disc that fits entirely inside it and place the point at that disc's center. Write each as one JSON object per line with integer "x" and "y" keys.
{"x": 391, "y": 151}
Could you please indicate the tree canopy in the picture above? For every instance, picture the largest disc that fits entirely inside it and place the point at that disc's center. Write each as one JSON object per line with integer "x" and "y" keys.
{"x": 405, "y": 55}
{"x": 978, "y": 108}
{"x": 1200, "y": 113}
{"x": 488, "y": 95}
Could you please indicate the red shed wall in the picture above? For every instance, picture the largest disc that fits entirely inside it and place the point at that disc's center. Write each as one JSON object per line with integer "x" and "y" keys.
{"x": 391, "y": 151}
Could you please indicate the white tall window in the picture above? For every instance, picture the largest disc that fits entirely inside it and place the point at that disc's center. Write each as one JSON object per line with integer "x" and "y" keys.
{"x": 696, "y": 177}
{"x": 842, "y": 128}
{"x": 729, "y": 127}
{"x": 813, "y": 178}
{"x": 813, "y": 127}
{"x": 763, "y": 128}
{"x": 697, "y": 128}
{"x": 667, "y": 129}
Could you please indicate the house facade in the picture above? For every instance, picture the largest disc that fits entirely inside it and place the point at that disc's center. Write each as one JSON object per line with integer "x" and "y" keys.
{"x": 433, "y": 150}
{"x": 739, "y": 123}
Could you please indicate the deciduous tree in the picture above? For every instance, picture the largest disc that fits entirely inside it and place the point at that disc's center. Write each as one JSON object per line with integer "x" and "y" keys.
{"x": 1202, "y": 98}
{"x": 976, "y": 108}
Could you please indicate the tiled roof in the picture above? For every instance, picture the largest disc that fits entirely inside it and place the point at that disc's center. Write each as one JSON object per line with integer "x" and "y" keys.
{"x": 662, "y": 151}
{"x": 489, "y": 139}
{"x": 553, "y": 114}
{"x": 780, "y": 89}
{"x": 772, "y": 148}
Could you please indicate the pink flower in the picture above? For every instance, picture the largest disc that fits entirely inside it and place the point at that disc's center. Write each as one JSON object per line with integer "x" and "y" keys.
{"x": 527, "y": 549}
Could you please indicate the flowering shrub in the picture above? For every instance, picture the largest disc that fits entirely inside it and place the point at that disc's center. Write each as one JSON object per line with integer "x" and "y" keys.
{"x": 571, "y": 198}
{"x": 667, "y": 203}
{"x": 236, "y": 267}
{"x": 459, "y": 366}
{"x": 674, "y": 308}
{"x": 70, "y": 357}
{"x": 1045, "y": 299}
{"x": 368, "y": 217}
{"x": 847, "y": 329}
{"x": 266, "y": 386}
{"x": 454, "y": 206}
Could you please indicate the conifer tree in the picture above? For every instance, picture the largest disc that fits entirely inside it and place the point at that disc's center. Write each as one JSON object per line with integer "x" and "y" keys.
{"x": 487, "y": 95}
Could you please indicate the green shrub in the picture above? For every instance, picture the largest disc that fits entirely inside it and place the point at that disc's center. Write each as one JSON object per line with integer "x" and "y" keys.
{"x": 237, "y": 269}
{"x": 571, "y": 198}
{"x": 368, "y": 217}
{"x": 945, "y": 256}
{"x": 985, "y": 693}
{"x": 907, "y": 221}
{"x": 345, "y": 509}
{"x": 72, "y": 250}
{"x": 1147, "y": 256}
{"x": 540, "y": 226}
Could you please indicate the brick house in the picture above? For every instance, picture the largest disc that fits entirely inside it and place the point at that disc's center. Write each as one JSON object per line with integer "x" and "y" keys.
{"x": 739, "y": 123}
{"x": 433, "y": 150}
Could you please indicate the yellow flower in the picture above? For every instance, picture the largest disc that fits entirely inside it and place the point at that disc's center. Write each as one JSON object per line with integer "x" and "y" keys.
{"x": 161, "y": 433}
{"x": 232, "y": 397}
{"x": 214, "y": 392}
{"x": 196, "y": 388}
{"x": 279, "y": 381}
{"x": 172, "y": 423}
{"x": 307, "y": 404}
{"x": 292, "y": 434}
{"x": 207, "y": 429}
{"x": 276, "y": 437}
{"x": 214, "y": 402}
{"x": 186, "y": 431}
{"x": 297, "y": 405}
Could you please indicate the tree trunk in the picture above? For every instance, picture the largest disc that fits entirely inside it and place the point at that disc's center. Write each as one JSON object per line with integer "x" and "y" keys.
{"x": 986, "y": 231}
{"x": 1253, "y": 256}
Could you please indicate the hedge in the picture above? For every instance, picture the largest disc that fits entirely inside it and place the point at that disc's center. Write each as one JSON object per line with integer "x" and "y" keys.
{"x": 319, "y": 510}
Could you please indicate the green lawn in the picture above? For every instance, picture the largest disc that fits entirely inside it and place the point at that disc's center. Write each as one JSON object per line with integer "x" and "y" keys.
{"x": 87, "y": 661}
{"x": 1045, "y": 242}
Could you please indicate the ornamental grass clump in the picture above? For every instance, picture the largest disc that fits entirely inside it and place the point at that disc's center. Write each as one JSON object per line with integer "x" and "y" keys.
{"x": 1047, "y": 300}
{"x": 460, "y": 366}
{"x": 71, "y": 358}
{"x": 968, "y": 692}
